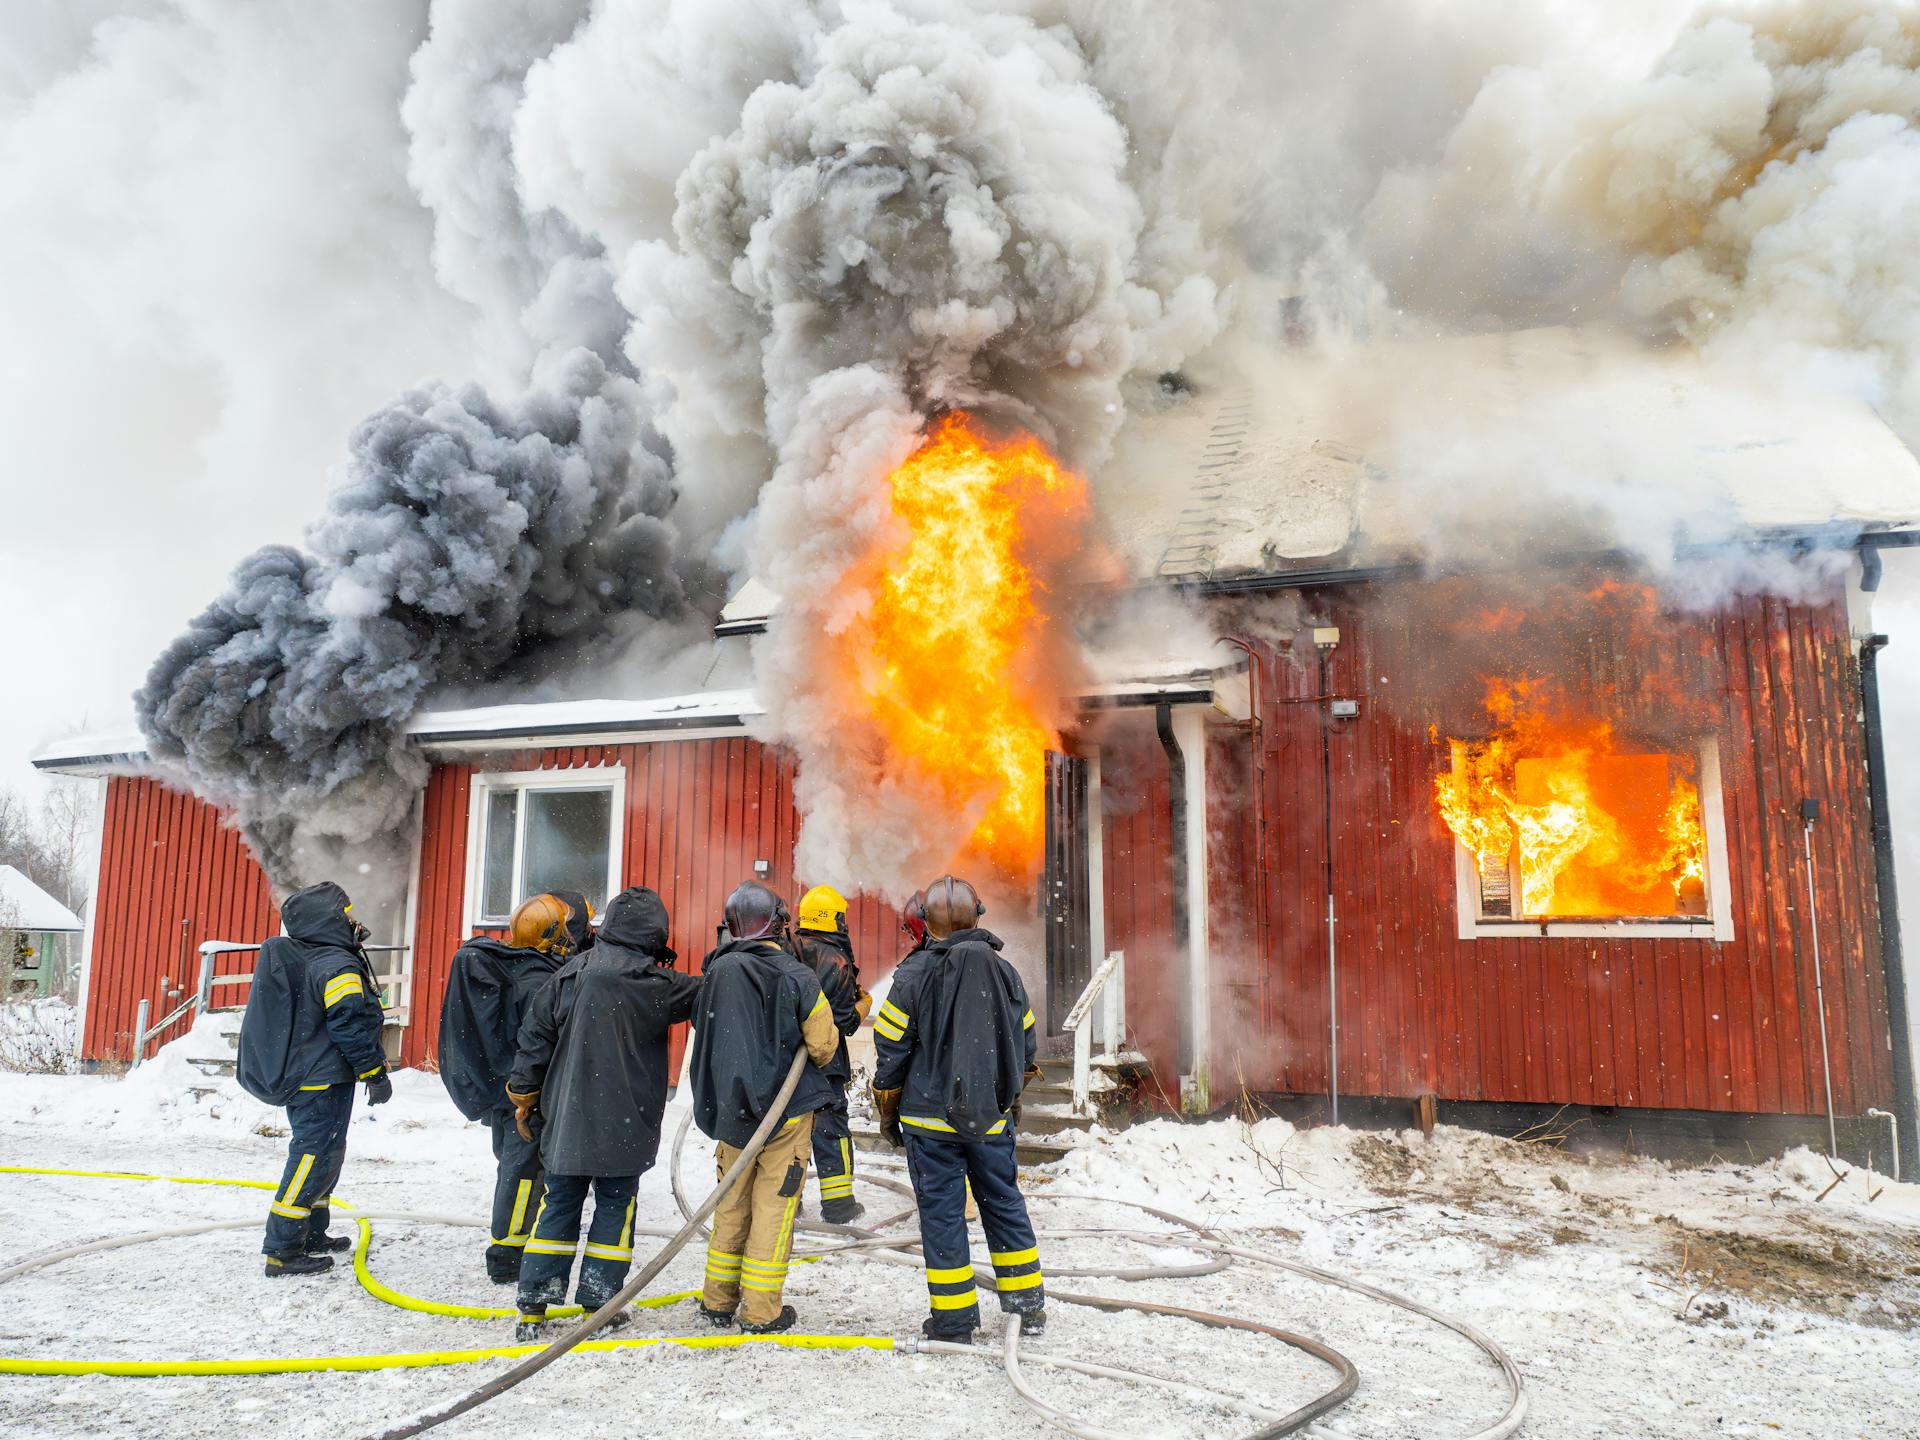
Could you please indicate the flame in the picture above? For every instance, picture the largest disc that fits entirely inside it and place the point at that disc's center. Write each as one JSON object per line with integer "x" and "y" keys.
{"x": 959, "y": 674}
{"x": 1591, "y": 828}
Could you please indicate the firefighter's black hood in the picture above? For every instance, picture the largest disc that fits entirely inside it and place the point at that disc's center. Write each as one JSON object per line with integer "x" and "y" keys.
{"x": 579, "y": 920}
{"x": 318, "y": 915}
{"x": 636, "y": 920}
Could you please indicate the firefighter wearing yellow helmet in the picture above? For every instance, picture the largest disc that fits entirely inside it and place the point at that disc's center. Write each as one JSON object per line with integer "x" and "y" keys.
{"x": 825, "y": 945}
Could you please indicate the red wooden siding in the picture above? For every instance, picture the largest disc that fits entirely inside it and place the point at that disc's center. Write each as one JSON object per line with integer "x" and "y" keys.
{"x": 1677, "y": 1023}
{"x": 172, "y": 875}
{"x": 698, "y": 814}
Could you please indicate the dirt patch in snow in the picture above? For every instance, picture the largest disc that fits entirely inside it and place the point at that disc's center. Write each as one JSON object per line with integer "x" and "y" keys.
{"x": 1829, "y": 1272}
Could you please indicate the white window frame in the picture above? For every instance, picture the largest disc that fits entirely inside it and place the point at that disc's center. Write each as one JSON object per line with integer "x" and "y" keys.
{"x": 480, "y": 794}
{"x": 1716, "y": 924}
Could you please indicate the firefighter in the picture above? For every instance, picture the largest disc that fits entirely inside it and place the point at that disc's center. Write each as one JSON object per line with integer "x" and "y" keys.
{"x": 311, "y": 1033}
{"x": 592, "y": 1063}
{"x": 956, "y": 1047}
{"x": 489, "y": 988}
{"x": 823, "y": 943}
{"x": 760, "y": 1004}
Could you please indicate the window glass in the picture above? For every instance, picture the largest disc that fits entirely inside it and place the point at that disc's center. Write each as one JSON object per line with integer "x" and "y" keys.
{"x": 566, "y": 842}
{"x": 496, "y": 898}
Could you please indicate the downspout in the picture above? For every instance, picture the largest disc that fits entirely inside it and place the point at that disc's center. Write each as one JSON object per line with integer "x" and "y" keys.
{"x": 1256, "y": 746}
{"x": 1177, "y": 821}
{"x": 1906, "y": 1103}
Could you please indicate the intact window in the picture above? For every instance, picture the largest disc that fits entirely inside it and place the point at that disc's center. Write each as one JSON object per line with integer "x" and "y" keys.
{"x": 546, "y": 830}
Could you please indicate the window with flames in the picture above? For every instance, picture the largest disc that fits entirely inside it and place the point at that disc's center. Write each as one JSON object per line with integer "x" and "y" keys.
{"x": 1570, "y": 823}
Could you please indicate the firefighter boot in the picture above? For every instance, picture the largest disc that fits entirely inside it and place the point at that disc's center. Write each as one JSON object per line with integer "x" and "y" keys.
{"x": 843, "y": 1211}
{"x": 302, "y": 1264}
{"x": 527, "y": 1331}
{"x": 783, "y": 1321}
{"x": 719, "y": 1319}
{"x": 1033, "y": 1324}
{"x": 504, "y": 1268}
{"x": 328, "y": 1244}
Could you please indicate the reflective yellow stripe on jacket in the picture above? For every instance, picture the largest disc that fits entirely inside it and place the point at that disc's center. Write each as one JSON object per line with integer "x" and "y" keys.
{"x": 339, "y": 988}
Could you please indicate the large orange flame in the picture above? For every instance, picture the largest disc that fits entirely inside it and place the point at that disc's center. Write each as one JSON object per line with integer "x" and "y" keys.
{"x": 963, "y": 675}
{"x": 1592, "y": 829}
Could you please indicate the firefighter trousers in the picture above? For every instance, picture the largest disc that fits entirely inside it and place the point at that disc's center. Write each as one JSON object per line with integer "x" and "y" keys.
{"x": 516, "y": 1193}
{"x": 941, "y": 1168}
{"x": 316, "y": 1149}
{"x": 556, "y": 1237}
{"x": 833, "y": 1149}
{"x": 753, "y": 1228}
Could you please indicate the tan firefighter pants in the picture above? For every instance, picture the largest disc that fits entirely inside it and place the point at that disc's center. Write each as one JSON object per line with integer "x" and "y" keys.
{"x": 753, "y": 1228}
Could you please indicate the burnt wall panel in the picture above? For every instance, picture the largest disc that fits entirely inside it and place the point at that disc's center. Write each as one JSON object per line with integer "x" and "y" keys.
{"x": 1676, "y": 1022}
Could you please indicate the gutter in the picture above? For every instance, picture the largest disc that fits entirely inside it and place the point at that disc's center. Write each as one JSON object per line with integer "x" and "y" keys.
{"x": 1906, "y": 1100}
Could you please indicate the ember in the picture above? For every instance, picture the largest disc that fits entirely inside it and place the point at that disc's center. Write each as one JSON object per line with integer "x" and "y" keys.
{"x": 1563, "y": 820}
{"x": 958, "y": 674}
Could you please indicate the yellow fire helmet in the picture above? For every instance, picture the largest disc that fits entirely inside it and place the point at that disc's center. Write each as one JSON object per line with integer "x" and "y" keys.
{"x": 540, "y": 923}
{"x": 824, "y": 908}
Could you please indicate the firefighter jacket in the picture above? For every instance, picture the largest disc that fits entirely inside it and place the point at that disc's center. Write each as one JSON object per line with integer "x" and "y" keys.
{"x": 759, "y": 1006}
{"x": 488, "y": 991}
{"x": 594, "y": 1044}
{"x": 831, "y": 956}
{"x": 956, "y": 1036}
{"x": 313, "y": 1013}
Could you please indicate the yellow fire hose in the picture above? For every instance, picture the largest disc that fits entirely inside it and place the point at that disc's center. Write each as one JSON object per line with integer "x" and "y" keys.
{"x": 380, "y": 1290}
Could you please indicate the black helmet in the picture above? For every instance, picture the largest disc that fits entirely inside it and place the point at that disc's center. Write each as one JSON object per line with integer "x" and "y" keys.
{"x": 753, "y": 912}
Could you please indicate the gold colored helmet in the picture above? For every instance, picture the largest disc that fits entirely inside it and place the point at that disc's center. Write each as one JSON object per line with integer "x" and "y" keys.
{"x": 540, "y": 923}
{"x": 824, "y": 908}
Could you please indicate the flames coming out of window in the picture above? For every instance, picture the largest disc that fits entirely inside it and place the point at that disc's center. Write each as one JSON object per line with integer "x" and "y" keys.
{"x": 1566, "y": 819}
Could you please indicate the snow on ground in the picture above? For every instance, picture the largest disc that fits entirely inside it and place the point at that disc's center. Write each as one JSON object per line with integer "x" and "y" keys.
{"x": 1639, "y": 1299}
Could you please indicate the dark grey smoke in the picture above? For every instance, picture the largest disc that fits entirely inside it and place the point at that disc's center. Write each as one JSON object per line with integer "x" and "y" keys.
{"x": 471, "y": 541}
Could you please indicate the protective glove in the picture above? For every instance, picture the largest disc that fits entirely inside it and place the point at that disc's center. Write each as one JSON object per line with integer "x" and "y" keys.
{"x": 886, "y": 1104}
{"x": 379, "y": 1089}
{"x": 863, "y": 1004}
{"x": 1033, "y": 1073}
{"x": 525, "y": 1102}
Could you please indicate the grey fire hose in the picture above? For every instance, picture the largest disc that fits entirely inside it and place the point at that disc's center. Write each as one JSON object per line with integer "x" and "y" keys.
{"x": 895, "y": 1250}
{"x": 533, "y": 1364}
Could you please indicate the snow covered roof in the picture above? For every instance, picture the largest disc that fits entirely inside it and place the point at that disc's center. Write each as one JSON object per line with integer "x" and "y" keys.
{"x": 25, "y": 906}
{"x": 1174, "y": 681}
{"x": 600, "y": 719}
{"x": 1303, "y": 462}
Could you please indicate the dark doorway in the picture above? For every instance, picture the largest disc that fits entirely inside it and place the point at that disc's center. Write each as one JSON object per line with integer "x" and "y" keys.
{"x": 1064, "y": 900}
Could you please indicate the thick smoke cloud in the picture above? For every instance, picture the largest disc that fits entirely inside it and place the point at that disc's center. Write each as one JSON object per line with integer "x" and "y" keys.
{"x": 791, "y": 232}
{"x": 891, "y": 210}
{"x": 470, "y": 541}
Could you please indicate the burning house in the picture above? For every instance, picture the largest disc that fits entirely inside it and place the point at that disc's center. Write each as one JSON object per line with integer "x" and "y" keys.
{"x": 1595, "y": 830}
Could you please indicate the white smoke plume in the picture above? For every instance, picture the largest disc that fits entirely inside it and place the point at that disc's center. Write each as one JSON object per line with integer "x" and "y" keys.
{"x": 904, "y": 208}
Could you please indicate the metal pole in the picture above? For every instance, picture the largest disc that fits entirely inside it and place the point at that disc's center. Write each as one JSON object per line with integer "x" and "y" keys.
{"x": 139, "y": 1033}
{"x": 1326, "y": 818}
{"x": 1819, "y": 992}
{"x": 1333, "y": 1018}
{"x": 203, "y": 993}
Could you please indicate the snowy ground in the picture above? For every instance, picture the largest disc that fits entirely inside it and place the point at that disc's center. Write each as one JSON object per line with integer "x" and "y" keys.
{"x": 1640, "y": 1300}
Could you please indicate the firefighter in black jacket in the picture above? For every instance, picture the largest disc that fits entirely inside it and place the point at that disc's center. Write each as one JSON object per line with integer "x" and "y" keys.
{"x": 593, "y": 1062}
{"x": 956, "y": 1047}
{"x": 311, "y": 1032}
{"x": 489, "y": 987}
{"x": 823, "y": 943}
{"x": 759, "y": 1005}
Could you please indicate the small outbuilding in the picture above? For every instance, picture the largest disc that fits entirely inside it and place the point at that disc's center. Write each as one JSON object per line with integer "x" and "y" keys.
{"x": 34, "y": 936}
